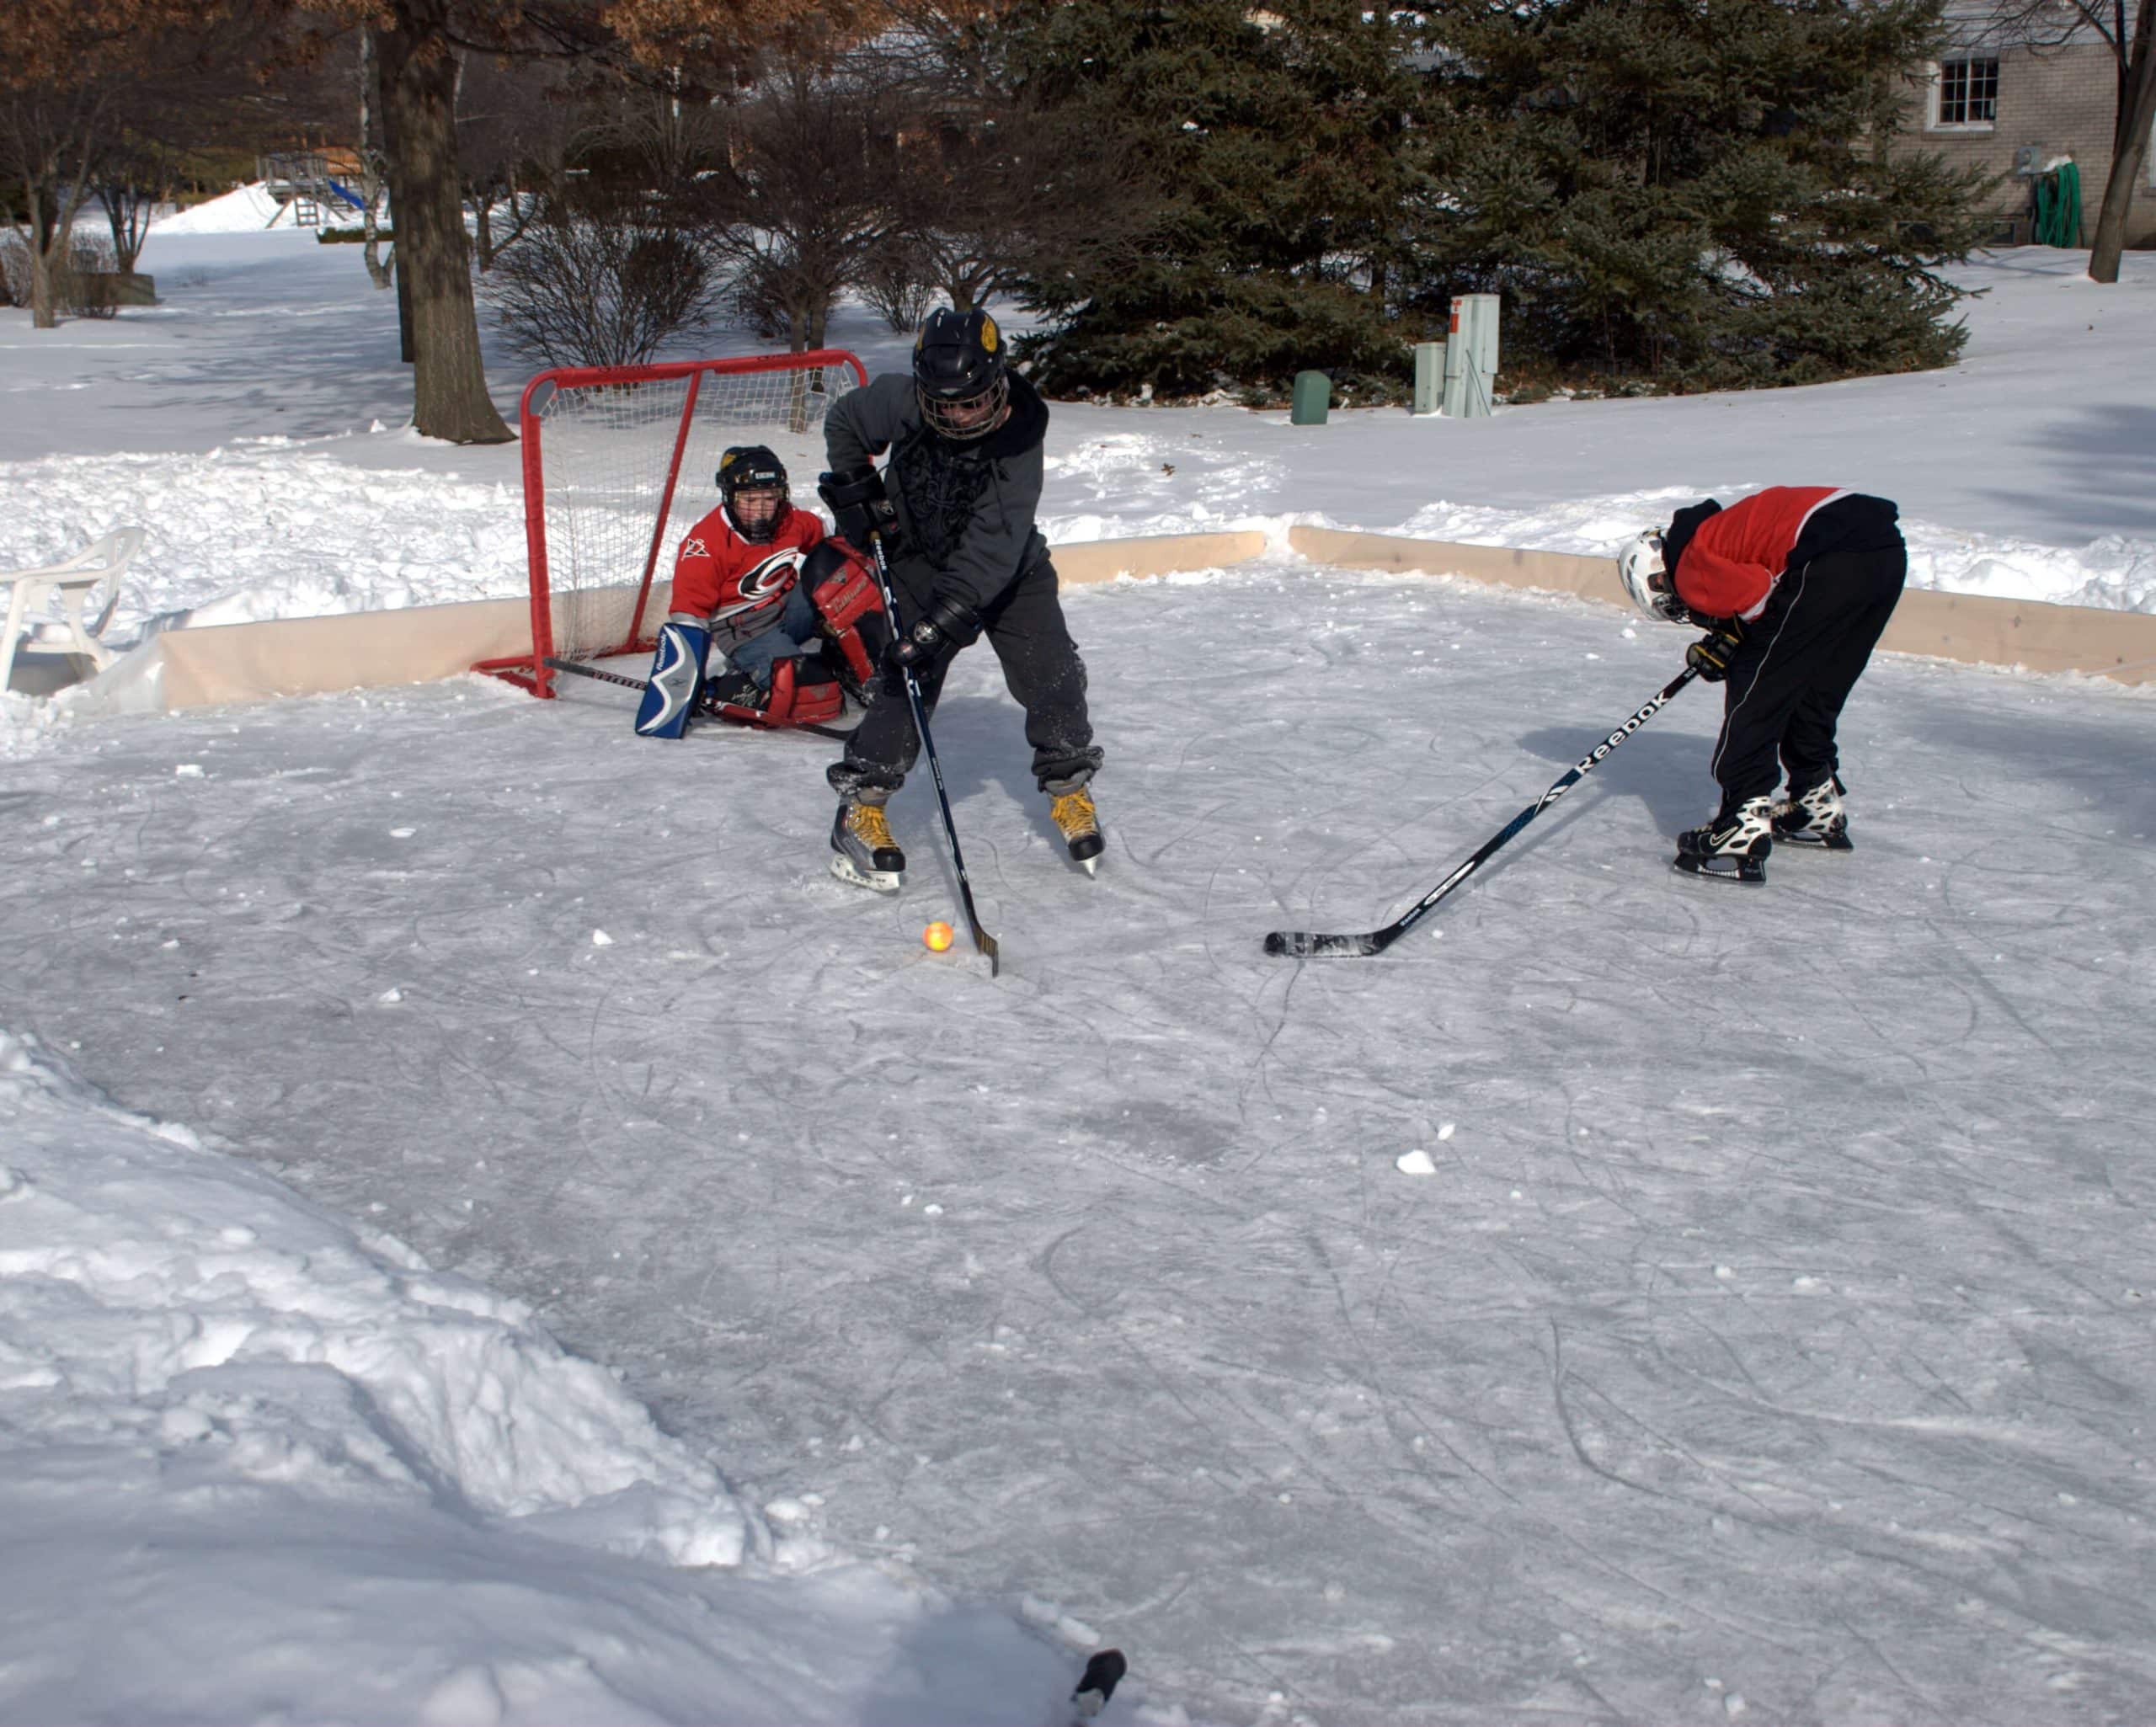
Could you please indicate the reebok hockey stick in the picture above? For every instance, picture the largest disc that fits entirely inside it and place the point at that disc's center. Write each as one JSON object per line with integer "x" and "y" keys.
{"x": 723, "y": 709}
{"x": 1301, "y": 944}
{"x": 983, "y": 941}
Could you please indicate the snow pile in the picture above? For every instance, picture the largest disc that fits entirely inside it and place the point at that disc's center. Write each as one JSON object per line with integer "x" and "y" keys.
{"x": 261, "y": 1465}
{"x": 2113, "y": 573}
{"x": 1133, "y": 483}
{"x": 264, "y": 529}
{"x": 245, "y": 209}
{"x": 26, "y": 722}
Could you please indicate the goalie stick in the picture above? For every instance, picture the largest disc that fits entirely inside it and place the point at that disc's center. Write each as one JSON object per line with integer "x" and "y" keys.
{"x": 1304, "y": 944}
{"x": 723, "y": 709}
{"x": 983, "y": 941}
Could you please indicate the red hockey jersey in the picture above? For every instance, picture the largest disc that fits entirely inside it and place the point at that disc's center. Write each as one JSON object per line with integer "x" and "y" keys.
{"x": 719, "y": 575}
{"x": 1728, "y": 561}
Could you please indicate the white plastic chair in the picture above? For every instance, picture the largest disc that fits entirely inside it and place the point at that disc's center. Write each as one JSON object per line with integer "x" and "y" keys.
{"x": 74, "y": 579}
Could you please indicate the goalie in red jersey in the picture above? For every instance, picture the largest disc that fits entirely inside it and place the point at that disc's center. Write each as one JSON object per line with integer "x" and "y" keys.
{"x": 771, "y": 622}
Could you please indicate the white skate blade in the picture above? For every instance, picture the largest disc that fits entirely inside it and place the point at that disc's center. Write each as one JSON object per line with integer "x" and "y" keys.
{"x": 875, "y": 881}
{"x": 1092, "y": 865}
{"x": 1739, "y": 872}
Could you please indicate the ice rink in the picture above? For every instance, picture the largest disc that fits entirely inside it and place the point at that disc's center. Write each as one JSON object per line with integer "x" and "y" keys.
{"x": 1771, "y": 1339}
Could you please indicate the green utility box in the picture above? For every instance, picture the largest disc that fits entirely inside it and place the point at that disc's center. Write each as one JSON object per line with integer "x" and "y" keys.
{"x": 1429, "y": 376}
{"x": 1313, "y": 397}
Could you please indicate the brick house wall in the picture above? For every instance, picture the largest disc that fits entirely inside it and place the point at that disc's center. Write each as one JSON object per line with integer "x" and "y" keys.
{"x": 2049, "y": 102}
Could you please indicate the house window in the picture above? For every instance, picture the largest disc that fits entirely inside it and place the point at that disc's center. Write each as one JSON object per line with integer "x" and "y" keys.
{"x": 1967, "y": 93}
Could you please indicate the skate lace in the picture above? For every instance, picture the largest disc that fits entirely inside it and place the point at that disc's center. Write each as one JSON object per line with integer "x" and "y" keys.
{"x": 1073, "y": 814}
{"x": 867, "y": 824}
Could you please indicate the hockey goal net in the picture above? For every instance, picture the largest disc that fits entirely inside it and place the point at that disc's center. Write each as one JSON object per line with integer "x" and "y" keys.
{"x": 619, "y": 463}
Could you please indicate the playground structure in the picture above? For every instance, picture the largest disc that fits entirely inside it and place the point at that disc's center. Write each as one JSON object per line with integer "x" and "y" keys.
{"x": 306, "y": 183}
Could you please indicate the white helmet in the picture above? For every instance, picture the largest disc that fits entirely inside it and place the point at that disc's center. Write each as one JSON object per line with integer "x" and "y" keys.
{"x": 1647, "y": 579}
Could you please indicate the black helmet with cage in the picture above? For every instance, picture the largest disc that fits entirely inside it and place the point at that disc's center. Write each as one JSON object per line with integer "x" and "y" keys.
{"x": 753, "y": 467}
{"x": 960, "y": 371}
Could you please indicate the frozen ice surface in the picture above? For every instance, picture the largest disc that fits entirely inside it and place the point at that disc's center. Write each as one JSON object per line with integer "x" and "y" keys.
{"x": 1774, "y": 1324}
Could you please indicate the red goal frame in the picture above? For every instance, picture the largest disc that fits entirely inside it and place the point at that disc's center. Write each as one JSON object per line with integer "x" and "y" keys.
{"x": 530, "y": 671}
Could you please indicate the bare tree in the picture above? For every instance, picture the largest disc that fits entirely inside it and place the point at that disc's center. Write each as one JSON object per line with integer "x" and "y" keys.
{"x": 805, "y": 200}
{"x": 514, "y": 125}
{"x": 992, "y": 186}
{"x": 2052, "y": 23}
{"x": 605, "y": 278}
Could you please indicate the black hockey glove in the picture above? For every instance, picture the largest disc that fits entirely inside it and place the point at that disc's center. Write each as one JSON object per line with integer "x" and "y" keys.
{"x": 859, "y": 505}
{"x": 947, "y": 621}
{"x": 1711, "y": 655}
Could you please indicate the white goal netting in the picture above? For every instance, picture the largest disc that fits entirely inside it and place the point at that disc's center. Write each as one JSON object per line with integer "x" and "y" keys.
{"x": 620, "y": 462}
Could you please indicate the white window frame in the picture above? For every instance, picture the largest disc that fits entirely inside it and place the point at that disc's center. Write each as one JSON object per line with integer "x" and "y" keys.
{"x": 1935, "y": 122}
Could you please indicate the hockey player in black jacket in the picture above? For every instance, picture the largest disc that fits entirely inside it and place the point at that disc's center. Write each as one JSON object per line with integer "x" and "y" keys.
{"x": 954, "y": 505}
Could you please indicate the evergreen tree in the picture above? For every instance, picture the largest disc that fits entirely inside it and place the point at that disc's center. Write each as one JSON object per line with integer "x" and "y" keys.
{"x": 1277, "y": 150}
{"x": 1696, "y": 193}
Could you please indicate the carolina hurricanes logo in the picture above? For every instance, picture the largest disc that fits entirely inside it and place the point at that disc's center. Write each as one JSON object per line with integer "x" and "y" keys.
{"x": 771, "y": 576}
{"x": 693, "y": 548}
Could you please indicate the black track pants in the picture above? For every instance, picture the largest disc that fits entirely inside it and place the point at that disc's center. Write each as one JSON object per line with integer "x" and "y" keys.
{"x": 1795, "y": 669}
{"x": 1024, "y": 625}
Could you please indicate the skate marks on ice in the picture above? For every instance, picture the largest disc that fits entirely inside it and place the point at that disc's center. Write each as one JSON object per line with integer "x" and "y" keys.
{"x": 1773, "y": 1316}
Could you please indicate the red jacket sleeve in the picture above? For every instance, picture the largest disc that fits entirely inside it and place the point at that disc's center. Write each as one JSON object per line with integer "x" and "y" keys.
{"x": 696, "y": 571}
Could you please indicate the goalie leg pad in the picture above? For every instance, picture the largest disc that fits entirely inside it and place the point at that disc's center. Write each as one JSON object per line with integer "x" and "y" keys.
{"x": 677, "y": 673}
{"x": 849, "y": 609}
{"x": 804, "y": 693}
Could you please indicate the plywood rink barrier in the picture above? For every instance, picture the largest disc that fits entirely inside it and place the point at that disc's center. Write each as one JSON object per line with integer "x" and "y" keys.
{"x": 223, "y": 664}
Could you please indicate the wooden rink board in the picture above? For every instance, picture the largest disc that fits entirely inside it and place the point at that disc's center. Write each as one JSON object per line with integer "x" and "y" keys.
{"x": 231, "y": 664}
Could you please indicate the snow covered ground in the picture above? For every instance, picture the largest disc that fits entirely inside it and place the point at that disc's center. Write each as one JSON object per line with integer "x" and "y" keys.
{"x": 1768, "y": 1340}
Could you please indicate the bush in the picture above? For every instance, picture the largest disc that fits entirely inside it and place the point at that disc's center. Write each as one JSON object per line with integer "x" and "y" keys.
{"x": 72, "y": 292}
{"x": 894, "y": 287}
{"x": 14, "y": 271}
{"x": 603, "y": 281}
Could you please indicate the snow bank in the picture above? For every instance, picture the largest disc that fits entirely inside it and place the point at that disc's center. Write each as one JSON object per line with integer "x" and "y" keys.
{"x": 243, "y": 211}
{"x": 2113, "y": 573}
{"x": 264, "y": 1465}
{"x": 264, "y": 528}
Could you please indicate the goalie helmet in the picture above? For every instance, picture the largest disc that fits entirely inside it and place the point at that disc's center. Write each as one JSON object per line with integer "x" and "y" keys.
{"x": 959, "y": 372}
{"x": 752, "y": 467}
{"x": 1647, "y": 579}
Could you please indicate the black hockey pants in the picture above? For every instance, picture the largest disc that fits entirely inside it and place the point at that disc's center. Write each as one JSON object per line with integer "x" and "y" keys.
{"x": 1796, "y": 668}
{"x": 1024, "y": 625}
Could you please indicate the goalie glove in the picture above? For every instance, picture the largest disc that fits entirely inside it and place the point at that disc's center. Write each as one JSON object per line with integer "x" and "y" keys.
{"x": 859, "y": 505}
{"x": 677, "y": 675}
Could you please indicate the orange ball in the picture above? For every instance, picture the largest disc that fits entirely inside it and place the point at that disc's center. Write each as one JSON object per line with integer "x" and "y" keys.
{"x": 937, "y": 937}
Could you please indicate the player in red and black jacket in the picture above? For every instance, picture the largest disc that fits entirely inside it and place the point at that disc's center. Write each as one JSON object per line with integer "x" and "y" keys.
{"x": 1794, "y": 586}
{"x": 796, "y": 618}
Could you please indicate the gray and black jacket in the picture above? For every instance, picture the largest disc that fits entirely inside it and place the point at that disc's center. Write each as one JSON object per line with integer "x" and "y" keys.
{"x": 966, "y": 510}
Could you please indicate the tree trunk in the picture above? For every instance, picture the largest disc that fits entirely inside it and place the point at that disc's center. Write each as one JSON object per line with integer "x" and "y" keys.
{"x": 370, "y": 163}
{"x": 418, "y": 86}
{"x": 483, "y": 205}
{"x": 2134, "y": 122}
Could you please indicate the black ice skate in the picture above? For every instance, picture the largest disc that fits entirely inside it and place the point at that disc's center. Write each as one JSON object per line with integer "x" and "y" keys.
{"x": 1733, "y": 847}
{"x": 865, "y": 853}
{"x": 1816, "y": 817}
{"x": 1080, "y": 823}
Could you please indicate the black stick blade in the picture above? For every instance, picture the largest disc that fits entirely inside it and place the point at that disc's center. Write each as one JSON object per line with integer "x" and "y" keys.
{"x": 1098, "y": 1683}
{"x": 986, "y": 943}
{"x": 1301, "y": 944}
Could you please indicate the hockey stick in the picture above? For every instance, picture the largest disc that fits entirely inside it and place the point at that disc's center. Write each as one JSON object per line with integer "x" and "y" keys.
{"x": 722, "y": 709}
{"x": 1301, "y": 944}
{"x": 983, "y": 941}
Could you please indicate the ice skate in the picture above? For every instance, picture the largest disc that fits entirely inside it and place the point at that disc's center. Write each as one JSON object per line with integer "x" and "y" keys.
{"x": 864, "y": 853}
{"x": 1080, "y": 823}
{"x": 1816, "y": 817}
{"x": 1732, "y": 847}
